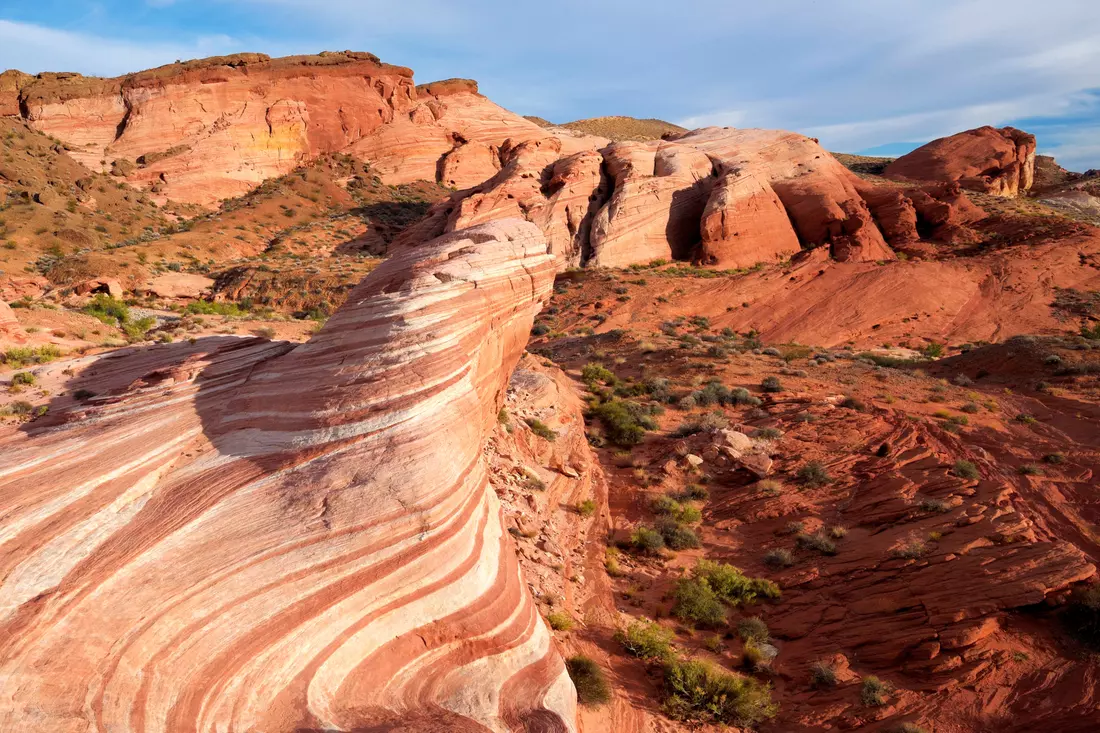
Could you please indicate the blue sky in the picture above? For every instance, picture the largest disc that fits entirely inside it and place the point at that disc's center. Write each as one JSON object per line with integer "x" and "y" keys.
{"x": 879, "y": 75}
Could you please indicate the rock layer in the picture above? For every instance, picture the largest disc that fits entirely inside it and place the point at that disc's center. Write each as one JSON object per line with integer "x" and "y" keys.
{"x": 211, "y": 547}
{"x": 987, "y": 159}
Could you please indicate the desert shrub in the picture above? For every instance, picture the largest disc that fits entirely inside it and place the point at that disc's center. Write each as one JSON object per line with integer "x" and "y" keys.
{"x": 541, "y": 429}
{"x": 676, "y": 536}
{"x": 817, "y": 541}
{"x": 83, "y": 394}
{"x": 771, "y": 384}
{"x": 710, "y": 421}
{"x": 970, "y": 407}
{"x": 854, "y": 403}
{"x": 21, "y": 356}
{"x": 695, "y": 491}
{"x": 1026, "y": 419}
{"x": 752, "y": 656}
{"x": 611, "y": 562}
{"x": 768, "y": 434}
{"x": 698, "y": 690}
{"x": 108, "y": 310}
{"x": 214, "y": 308}
{"x": 742, "y": 396}
{"x": 595, "y": 374}
{"x": 559, "y": 620}
{"x": 646, "y": 640}
{"x": 1030, "y": 470}
{"x": 265, "y": 332}
{"x": 625, "y": 421}
{"x": 586, "y": 508}
{"x": 697, "y": 603}
{"x": 1055, "y": 459}
{"x": 647, "y": 540}
{"x": 753, "y": 628}
{"x": 873, "y": 691}
{"x": 23, "y": 379}
{"x": 1082, "y": 616}
{"x": 731, "y": 585}
{"x": 814, "y": 474}
{"x": 822, "y": 674}
{"x": 540, "y": 329}
{"x": 590, "y": 681}
{"x": 913, "y": 549}
{"x": 780, "y": 557}
{"x": 837, "y": 532}
{"x": 19, "y": 408}
{"x": 966, "y": 469}
{"x": 938, "y": 506}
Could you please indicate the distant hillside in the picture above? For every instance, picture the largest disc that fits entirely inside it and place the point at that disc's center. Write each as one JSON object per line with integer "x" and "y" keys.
{"x": 617, "y": 127}
{"x": 865, "y": 164}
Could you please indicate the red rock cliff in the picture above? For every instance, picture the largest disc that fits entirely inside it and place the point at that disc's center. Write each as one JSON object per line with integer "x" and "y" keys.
{"x": 987, "y": 159}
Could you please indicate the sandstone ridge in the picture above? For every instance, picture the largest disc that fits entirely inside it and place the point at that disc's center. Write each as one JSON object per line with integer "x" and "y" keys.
{"x": 207, "y": 547}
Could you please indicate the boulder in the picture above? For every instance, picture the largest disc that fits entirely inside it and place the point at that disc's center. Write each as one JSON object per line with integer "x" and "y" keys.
{"x": 990, "y": 160}
{"x": 178, "y": 285}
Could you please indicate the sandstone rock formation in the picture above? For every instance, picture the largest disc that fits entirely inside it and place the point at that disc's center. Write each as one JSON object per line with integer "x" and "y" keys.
{"x": 211, "y": 547}
{"x": 10, "y": 330}
{"x": 724, "y": 197}
{"x": 205, "y": 130}
{"x": 987, "y": 159}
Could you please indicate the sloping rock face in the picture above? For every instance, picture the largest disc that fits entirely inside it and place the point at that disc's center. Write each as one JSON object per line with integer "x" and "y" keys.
{"x": 213, "y": 548}
{"x": 214, "y": 128}
{"x": 996, "y": 161}
{"x": 10, "y": 330}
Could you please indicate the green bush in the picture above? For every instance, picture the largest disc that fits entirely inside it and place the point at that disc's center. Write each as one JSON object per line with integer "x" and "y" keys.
{"x": 731, "y": 585}
{"x": 646, "y": 640}
{"x": 822, "y": 674}
{"x": 21, "y": 356}
{"x": 873, "y": 692}
{"x": 559, "y": 620}
{"x": 753, "y": 628}
{"x": 771, "y": 384}
{"x": 23, "y": 379}
{"x": 647, "y": 540}
{"x": 590, "y": 681}
{"x": 626, "y": 422}
{"x": 814, "y": 474}
{"x": 214, "y": 308}
{"x": 966, "y": 469}
{"x": 596, "y": 374}
{"x": 108, "y": 310}
{"x": 780, "y": 557}
{"x": 817, "y": 541}
{"x": 675, "y": 535}
{"x": 1054, "y": 459}
{"x": 697, "y": 603}
{"x": 586, "y": 508}
{"x": 541, "y": 429}
{"x": 698, "y": 690}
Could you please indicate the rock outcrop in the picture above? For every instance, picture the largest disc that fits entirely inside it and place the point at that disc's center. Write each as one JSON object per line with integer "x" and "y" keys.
{"x": 987, "y": 159}
{"x": 214, "y": 128}
{"x": 10, "y": 330}
{"x": 719, "y": 196}
{"x": 212, "y": 547}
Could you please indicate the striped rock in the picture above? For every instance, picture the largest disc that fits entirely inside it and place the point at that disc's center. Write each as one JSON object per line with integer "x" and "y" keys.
{"x": 256, "y": 537}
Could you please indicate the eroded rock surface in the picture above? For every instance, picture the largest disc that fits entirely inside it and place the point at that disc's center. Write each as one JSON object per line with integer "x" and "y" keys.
{"x": 210, "y": 546}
